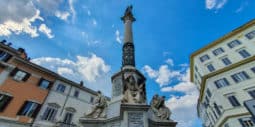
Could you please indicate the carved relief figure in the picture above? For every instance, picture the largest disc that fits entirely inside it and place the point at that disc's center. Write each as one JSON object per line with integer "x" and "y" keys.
{"x": 133, "y": 92}
{"x": 98, "y": 110}
{"x": 160, "y": 111}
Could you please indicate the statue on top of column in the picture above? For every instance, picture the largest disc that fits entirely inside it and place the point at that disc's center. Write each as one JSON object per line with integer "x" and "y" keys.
{"x": 128, "y": 14}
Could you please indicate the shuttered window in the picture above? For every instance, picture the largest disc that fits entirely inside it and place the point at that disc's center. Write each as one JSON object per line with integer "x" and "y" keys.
{"x": 29, "y": 109}
{"x": 4, "y": 101}
{"x": 19, "y": 75}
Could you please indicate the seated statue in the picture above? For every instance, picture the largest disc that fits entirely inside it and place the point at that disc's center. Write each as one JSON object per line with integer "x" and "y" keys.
{"x": 98, "y": 110}
{"x": 133, "y": 92}
{"x": 158, "y": 108}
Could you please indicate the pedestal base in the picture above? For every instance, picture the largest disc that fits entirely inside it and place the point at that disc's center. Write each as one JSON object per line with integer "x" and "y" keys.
{"x": 131, "y": 115}
{"x": 167, "y": 123}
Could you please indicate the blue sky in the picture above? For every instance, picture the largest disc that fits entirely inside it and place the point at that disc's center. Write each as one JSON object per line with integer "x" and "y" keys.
{"x": 82, "y": 40}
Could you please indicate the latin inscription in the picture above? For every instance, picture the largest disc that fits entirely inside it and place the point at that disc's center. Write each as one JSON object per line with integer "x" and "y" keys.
{"x": 135, "y": 119}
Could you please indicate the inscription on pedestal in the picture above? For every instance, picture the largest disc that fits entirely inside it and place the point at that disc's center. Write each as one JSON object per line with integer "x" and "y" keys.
{"x": 135, "y": 119}
{"x": 115, "y": 124}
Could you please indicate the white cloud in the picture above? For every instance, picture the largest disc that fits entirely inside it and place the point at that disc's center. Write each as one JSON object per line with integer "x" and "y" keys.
{"x": 72, "y": 10}
{"x": 170, "y": 62}
{"x": 161, "y": 76}
{"x": 18, "y": 17}
{"x": 151, "y": 73}
{"x": 165, "y": 74}
{"x": 215, "y": 4}
{"x": 183, "y": 105}
{"x": 49, "y": 6}
{"x": 117, "y": 34}
{"x": 183, "y": 109}
{"x": 62, "y": 15}
{"x": 92, "y": 70}
{"x": 60, "y": 8}
{"x": 47, "y": 31}
{"x": 64, "y": 70}
{"x": 11, "y": 26}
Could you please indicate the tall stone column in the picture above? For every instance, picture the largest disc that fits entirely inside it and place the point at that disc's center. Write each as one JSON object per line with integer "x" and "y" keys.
{"x": 128, "y": 50}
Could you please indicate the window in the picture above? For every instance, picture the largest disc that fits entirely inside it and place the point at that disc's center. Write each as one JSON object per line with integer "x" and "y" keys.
{"x": 45, "y": 84}
{"x": 61, "y": 88}
{"x": 253, "y": 69}
{"x": 68, "y": 118}
{"x": 250, "y": 35}
{"x": 226, "y": 61}
{"x": 76, "y": 93}
{"x": 241, "y": 76}
{"x": 19, "y": 75}
{"x": 91, "y": 99}
{"x": 221, "y": 83}
{"x": 246, "y": 122}
{"x": 234, "y": 102}
{"x": 4, "y": 56}
{"x": 207, "y": 100}
{"x": 234, "y": 43}
{"x": 204, "y": 58}
{"x": 196, "y": 68}
{"x": 208, "y": 92}
{"x": 4, "y": 101}
{"x": 244, "y": 53}
{"x": 217, "y": 109}
{"x": 218, "y": 51}
{"x": 226, "y": 125}
{"x": 252, "y": 93}
{"x": 49, "y": 114}
{"x": 210, "y": 67}
{"x": 29, "y": 109}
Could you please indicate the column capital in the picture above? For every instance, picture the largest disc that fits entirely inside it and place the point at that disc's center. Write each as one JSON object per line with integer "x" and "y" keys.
{"x": 128, "y": 15}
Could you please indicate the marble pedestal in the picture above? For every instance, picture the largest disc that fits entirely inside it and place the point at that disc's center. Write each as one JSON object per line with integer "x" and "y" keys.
{"x": 130, "y": 115}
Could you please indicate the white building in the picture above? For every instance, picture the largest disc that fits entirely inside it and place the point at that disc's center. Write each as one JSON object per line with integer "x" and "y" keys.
{"x": 224, "y": 73}
{"x": 65, "y": 104}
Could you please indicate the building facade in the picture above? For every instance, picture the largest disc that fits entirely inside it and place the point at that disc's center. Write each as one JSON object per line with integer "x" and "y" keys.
{"x": 23, "y": 87}
{"x": 65, "y": 104}
{"x": 224, "y": 73}
{"x": 31, "y": 95}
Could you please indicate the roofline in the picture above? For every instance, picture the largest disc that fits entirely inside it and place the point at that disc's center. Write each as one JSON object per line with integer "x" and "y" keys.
{"x": 216, "y": 42}
{"x": 54, "y": 74}
{"x": 16, "y": 56}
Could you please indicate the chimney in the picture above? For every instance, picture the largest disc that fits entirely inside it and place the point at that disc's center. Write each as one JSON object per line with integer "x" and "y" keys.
{"x": 22, "y": 52}
{"x": 81, "y": 83}
{"x": 3, "y": 41}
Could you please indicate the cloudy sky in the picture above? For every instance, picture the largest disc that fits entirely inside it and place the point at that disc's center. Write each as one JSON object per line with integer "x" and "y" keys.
{"x": 82, "y": 40}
